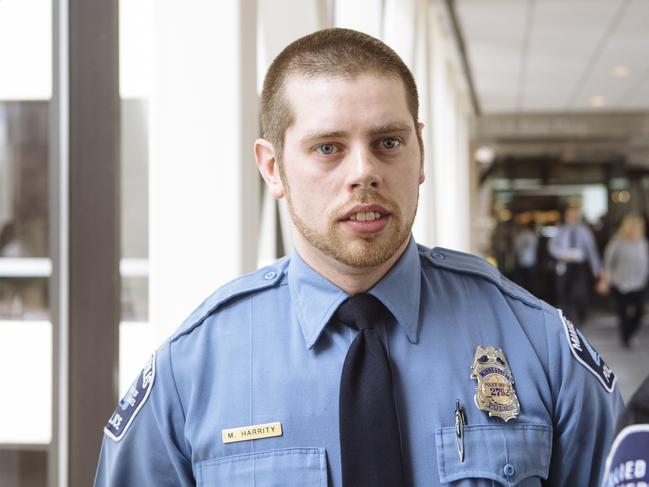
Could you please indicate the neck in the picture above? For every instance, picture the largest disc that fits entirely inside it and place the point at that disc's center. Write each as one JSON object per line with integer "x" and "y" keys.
{"x": 352, "y": 280}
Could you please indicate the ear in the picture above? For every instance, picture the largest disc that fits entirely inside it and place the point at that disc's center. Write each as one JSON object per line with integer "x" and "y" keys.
{"x": 269, "y": 168}
{"x": 420, "y": 136}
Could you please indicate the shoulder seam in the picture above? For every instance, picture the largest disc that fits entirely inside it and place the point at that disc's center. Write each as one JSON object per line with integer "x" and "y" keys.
{"x": 269, "y": 276}
{"x": 436, "y": 256}
{"x": 173, "y": 380}
{"x": 544, "y": 311}
{"x": 191, "y": 324}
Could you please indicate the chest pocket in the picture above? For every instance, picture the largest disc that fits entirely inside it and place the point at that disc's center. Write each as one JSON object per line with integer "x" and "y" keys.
{"x": 510, "y": 455}
{"x": 290, "y": 467}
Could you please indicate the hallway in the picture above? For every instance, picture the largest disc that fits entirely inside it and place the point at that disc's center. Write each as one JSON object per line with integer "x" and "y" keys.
{"x": 630, "y": 366}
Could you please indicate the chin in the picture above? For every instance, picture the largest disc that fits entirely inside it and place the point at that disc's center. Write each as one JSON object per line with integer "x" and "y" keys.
{"x": 367, "y": 253}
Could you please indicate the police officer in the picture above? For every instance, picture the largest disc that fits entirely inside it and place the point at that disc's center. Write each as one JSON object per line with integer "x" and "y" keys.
{"x": 362, "y": 359}
{"x": 628, "y": 461}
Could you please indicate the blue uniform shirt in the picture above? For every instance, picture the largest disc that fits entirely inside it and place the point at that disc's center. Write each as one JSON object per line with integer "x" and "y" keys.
{"x": 263, "y": 350}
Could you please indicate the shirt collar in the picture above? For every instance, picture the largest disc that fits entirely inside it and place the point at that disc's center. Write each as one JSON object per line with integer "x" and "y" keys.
{"x": 316, "y": 299}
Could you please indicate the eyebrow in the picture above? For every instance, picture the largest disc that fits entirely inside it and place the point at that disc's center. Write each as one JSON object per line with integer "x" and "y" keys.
{"x": 401, "y": 127}
{"x": 336, "y": 134}
{"x": 396, "y": 127}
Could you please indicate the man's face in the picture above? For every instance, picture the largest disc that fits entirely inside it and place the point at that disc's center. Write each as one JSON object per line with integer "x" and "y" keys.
{"x": 573, "y": 216}
{"x": 351, "y": 168}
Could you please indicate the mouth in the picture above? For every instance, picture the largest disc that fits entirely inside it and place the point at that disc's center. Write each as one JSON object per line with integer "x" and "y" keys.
{"x": 366, "y": 219}
{"x": 365, "y": 213}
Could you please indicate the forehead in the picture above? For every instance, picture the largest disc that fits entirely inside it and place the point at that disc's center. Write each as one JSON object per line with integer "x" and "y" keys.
{"x": 343, "y": 103}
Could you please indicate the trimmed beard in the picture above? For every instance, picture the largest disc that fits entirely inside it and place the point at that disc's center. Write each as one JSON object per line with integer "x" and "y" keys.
{"x": 363, "y": 252}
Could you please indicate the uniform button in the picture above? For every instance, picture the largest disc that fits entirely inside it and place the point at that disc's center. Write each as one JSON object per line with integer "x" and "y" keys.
{"x": 509, "y": 470}
{"x": 270, "y": 275}
{"x": 438, "y": 256}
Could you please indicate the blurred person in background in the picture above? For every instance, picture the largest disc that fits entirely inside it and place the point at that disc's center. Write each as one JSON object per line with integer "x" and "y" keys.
{"x": 626, "y": 269}
{"x": 627, "y": 461}
{"x": 526, "y": 243}
{"x": 576, "y": 254}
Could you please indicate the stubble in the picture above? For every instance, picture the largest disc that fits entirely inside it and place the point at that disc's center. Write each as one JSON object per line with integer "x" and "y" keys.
{"x": 362, "y": 251}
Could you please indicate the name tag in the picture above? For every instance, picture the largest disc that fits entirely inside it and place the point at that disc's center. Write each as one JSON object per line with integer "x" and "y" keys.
{"x": 254, "y": 432}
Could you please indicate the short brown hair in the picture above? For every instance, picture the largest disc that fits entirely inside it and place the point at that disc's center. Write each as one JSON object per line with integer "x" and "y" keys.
{"x": 331, "y": 52}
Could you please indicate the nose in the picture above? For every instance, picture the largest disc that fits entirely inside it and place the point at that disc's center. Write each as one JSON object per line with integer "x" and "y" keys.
{"x": 363, "y": 170}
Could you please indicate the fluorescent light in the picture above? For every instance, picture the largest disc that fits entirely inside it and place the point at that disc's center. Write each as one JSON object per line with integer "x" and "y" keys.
{"x": 621, "y": 71}
{"x": 597, "y": 101}
{"x": 485, "y": 154}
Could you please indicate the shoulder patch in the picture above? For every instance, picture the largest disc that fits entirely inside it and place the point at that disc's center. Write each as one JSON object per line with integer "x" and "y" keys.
{"x": 131, "y": 403}
{"x": 628, "y": 458}
{"x": 587, "y": 356}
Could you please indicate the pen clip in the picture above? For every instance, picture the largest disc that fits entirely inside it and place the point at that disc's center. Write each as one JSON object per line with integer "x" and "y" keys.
{"x": 460, "y": 421}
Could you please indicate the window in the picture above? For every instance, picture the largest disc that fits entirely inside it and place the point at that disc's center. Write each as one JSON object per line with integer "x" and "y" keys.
{"x": 25, "y": 267}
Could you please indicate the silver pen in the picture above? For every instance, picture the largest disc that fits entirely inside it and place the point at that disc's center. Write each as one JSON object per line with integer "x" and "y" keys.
{"x": 460, "y": 421}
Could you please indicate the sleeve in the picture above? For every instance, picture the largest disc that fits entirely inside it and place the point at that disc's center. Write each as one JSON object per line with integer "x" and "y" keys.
{"x": 143, "y": 440}
{"x": 645, "y": 260}
{"x": 586, "y": 401}
{"x": 553, "y": 246}
{"x": 593, "y": 252}
{"x": 609, "y": 255}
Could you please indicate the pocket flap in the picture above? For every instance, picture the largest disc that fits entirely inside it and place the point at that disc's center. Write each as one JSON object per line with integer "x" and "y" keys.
{"x": 507, "y": 454}
{"x": 286, "y": 467}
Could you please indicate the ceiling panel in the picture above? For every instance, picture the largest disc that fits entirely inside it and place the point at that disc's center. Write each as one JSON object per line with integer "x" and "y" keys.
{"x": 556, "y": 55}
{"x": 638, "y": 99}
{"x": 494, "y": 50}
{"x": 563, "y": 36}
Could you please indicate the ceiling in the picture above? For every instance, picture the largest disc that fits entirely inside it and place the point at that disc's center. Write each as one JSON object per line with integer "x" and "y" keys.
{"x": 529, "y": 56}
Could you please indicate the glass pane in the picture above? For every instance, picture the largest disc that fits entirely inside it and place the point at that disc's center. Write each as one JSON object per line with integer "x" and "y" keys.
{"x": 24, "y": 298}
{"x": 25, "y": 330}
{"x": 136, "y": 36}
{"x": 25, "y": 333}
{"x": 26, "y": 49}
{"x": 135, "y": 298}
{"x": 23, "y": 178}
{"x": 134, "y": 179}
{"x": 25, "y": 411}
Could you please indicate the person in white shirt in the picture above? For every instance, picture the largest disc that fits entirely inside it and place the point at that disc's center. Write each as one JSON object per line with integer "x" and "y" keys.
{"x": 576, "y": 254}
{"x": 626, "y": 269}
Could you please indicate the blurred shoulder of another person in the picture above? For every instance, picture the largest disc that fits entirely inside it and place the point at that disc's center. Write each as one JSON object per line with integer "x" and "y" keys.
{"x": 627, "y": 461}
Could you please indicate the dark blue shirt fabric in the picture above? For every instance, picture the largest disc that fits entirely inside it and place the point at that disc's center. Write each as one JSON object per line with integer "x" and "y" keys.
{"x": 627, "y": 462}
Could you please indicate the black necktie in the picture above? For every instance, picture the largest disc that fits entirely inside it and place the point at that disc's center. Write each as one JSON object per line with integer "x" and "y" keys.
{"x": 573, "y": 237}
{"x": 370, "y": 444}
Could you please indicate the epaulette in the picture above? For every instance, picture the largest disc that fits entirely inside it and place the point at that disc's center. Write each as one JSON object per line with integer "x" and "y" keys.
{"x": 455, "y": 261}
{"x": 263, "y": 278}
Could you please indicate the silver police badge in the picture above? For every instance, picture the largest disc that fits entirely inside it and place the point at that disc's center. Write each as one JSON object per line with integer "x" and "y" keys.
{"x": 495, "y": 392}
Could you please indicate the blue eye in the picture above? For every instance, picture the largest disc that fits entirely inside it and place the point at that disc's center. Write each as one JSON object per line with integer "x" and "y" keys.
{"x": 327, "y": 149}
{"x": 390, "y": 143}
